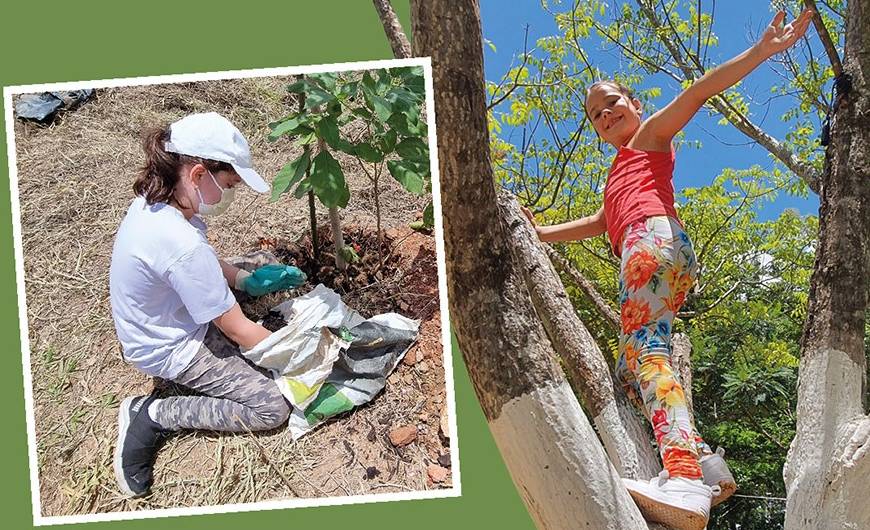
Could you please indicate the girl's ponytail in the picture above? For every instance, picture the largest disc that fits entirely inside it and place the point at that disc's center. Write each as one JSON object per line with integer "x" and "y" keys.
{"x": 157, "y": 178}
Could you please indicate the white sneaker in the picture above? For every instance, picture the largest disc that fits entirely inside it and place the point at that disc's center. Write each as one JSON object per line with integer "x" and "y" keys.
{"x": 680, "y": 503}
{"x": 716, "y": 473}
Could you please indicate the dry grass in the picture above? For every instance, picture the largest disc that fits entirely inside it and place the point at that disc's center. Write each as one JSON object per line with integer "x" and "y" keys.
{"x": 75, "y": 184}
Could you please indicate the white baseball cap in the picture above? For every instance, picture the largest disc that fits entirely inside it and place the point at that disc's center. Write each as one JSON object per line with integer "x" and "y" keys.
{"x": 210, "y": 135}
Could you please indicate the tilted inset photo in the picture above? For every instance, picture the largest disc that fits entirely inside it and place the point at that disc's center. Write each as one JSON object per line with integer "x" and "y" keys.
{"x": 232, "y": 291}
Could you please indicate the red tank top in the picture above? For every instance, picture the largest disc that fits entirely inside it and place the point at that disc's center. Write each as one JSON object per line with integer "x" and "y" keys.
{"x": 638, "y": 186}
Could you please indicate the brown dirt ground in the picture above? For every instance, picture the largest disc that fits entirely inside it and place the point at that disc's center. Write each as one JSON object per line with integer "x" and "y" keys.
{"x": 75, "y": 181}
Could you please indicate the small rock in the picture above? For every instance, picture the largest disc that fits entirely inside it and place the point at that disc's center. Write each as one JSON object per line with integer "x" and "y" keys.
{"x": 409, "y": 379}
{"x": 410, "y": 358}
{"x": 437, "y": 473}
{"x": 445, "y": 427}
{"x": 372, "y": 472}
{"x": 403, "y": 435}
{"x": 444, "y": 460}
{"x": 422, "y": 367}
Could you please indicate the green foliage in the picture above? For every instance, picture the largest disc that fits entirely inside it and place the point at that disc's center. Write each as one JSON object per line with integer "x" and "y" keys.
{"x": 290, "y": 174}
{"x": 387, "y": 102}
{"x": 327, "y": 181}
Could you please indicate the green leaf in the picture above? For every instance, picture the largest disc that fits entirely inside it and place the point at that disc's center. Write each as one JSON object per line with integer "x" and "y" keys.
{"x": 348, "y": 90}
{"x": 316, "y": 96}
{"x": 308, "y": 137}
{"x": 409, "y": 174}
{"x": 368, "y": 82}
{"x": 362, "y": 112}
{"x": 379, "y": 105}
{"x": 334, "y": 108}
{"x": 368, "y": 153}
{"x": 402, "y": 99}
{"x": 415, "y": 82}
{"x": 327, "y": 128}
{"x": 290, "y": 174}
{"x": 298, "y": 87}
{"x": 405, "y": 125}
{"x": 387, "y": 141}
{"x": 328, "y": 182}
{"x": 383, "y": 82}
{"x": 287, "y": 126}
{"x": 413, "y": 149}
{"x": 429, "y": 215}
{"x": 345, "y": 147}
{"x": 326, "y": 79}
{"x": 303, "y": 188}
{"x": 349, "y": 254}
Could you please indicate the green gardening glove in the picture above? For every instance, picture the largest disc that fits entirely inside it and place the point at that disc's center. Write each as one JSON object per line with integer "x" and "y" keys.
{"x": 269, "y": 278}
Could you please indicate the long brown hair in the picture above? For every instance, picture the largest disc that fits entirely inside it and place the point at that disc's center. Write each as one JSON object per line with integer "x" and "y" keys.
{"x": 157, "y": 179}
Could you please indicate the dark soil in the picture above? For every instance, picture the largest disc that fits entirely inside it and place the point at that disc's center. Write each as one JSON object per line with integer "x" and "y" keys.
{"x": 375, "y": 283}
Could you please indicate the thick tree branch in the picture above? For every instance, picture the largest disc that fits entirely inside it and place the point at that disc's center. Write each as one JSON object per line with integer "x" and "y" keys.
{"x": 610, "y": 316}
{"x": 585, "y": 365}
{"x": 825, "y": 37}
{"x": 393, "y": 28}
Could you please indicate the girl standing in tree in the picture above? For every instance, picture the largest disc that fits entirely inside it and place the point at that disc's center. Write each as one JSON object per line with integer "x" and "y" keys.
{"x": 658, "y": 267}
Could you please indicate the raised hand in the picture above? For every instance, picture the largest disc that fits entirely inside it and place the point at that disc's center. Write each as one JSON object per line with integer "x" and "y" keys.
{"x": 779, "y": 37}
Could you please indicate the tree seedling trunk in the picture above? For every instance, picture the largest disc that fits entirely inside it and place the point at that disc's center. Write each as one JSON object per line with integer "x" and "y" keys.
{"x": 337, "y": 238}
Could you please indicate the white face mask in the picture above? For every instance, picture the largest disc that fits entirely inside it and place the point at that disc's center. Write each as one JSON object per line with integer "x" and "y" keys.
{"x": 227, "y": 196}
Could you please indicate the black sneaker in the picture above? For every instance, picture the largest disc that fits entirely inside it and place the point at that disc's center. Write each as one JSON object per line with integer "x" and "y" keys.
{"x": 139, "y": 438}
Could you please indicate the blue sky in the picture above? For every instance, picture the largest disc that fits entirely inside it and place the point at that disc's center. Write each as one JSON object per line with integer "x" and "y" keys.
{"x": 504, "y": 25}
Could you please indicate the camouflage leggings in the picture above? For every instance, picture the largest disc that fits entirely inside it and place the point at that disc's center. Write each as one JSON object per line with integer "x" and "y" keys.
{"x": 238, "y": 397}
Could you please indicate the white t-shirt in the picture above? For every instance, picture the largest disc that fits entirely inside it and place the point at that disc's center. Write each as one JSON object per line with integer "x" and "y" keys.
{"x": 166, "y": 285}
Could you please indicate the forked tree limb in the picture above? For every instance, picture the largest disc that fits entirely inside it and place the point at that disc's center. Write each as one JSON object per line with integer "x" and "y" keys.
{"x": 825, "y": 37}
{"x": 583, "y": 361}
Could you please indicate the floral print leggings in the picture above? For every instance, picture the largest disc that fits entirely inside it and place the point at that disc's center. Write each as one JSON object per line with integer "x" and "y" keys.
{"x": 658, "y": 269}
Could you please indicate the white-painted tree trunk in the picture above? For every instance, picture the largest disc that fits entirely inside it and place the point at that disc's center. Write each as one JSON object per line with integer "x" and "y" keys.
{"x": 558, "y": 464}
{"x": 827, "y": 469}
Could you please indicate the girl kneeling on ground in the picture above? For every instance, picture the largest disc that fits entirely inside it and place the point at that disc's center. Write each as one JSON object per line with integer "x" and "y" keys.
{"x": 171, "y": 297}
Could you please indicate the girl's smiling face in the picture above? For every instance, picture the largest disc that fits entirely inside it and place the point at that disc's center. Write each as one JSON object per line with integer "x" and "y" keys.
{"x": 614, "y": 115}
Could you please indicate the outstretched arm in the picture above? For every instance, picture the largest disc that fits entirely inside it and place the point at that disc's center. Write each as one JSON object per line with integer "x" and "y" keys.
{"x": 583, "y": 228}
{"x": 664, "y": 124}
